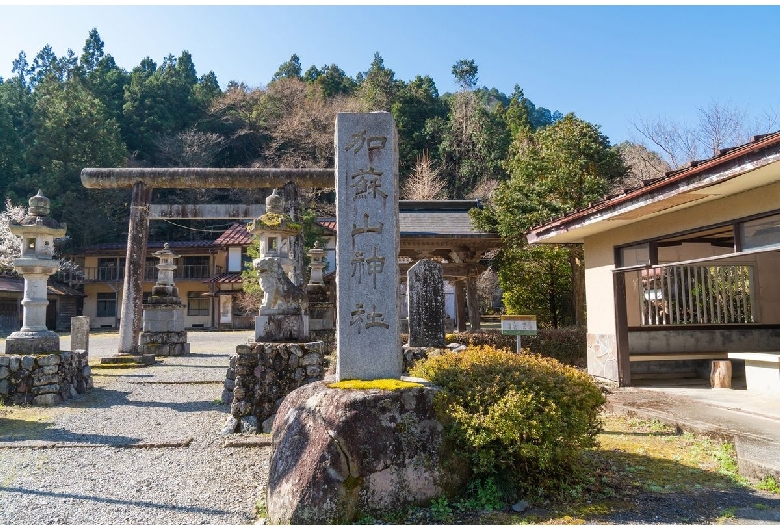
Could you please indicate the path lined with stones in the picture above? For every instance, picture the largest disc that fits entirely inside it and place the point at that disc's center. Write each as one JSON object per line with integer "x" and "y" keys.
{"x": 144, "y": 447}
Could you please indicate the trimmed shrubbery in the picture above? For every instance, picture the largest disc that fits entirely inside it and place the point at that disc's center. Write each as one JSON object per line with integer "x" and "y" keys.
{"x": 522, "y": 420}
{"x": 568, "y": 345}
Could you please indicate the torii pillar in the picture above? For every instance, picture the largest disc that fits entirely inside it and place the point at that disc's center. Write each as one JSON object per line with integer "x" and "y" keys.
{"x": 142, "y": 181}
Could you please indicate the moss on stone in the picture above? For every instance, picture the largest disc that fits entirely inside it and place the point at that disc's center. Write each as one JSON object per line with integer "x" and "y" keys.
{"x": 275, "y": 220}
{"x": 375, "y": 384}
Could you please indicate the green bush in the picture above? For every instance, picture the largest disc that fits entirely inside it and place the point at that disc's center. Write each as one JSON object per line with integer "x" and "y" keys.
{"x": 525, "y": 419}
{"x": 568, "y": 345}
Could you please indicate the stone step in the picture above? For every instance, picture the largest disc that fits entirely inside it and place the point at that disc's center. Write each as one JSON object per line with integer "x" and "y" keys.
{"x": 144, "y": 359}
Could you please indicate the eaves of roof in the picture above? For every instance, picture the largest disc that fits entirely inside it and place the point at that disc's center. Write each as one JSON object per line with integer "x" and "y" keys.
{"x": 152, "y": 245}
{"x": 665, "y": 193}
{"x": 15, "y": 284}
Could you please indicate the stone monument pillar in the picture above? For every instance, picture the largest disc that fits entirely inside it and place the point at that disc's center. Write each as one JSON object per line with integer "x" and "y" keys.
{"x": 367, "y": 334}
{"x": 425, "y": 300}
{"x": 283, "y": 314}
{"x": 37, "y": 231}
{"x": 163, "y": 317}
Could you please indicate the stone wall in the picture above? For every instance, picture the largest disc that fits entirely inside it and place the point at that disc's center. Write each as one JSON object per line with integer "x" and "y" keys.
{"x": 45, "y": 379}
{"x": 261, "y": 374}
{"x": 602, "y": 356}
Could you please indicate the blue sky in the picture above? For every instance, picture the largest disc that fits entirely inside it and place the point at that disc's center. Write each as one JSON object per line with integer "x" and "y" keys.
{"x": 608, "y": 64}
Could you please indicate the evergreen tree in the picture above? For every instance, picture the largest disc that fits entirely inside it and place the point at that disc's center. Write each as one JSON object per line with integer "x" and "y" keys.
{"x": 553, "y": 171}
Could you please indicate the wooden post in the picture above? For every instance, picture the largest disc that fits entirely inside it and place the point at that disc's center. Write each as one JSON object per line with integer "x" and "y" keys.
{"x": 621, "y": 330}
{"x": 720, "y": 374}
{"x": 460, "y": 307}
{"x": 138, "y": 233}
{"x": 472, "y": 299}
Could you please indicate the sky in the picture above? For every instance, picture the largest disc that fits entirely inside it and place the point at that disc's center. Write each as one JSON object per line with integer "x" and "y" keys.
{"x": 611, "y": 65}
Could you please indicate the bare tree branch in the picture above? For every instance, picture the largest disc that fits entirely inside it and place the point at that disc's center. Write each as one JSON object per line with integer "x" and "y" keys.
{"x": 424, "y": 183}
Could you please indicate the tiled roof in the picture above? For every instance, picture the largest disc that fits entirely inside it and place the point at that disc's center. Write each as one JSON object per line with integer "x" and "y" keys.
{"x": 227, "y": 277}
{"x": 235, "y": 235}
{"x": 328, "y": 223}
{"x": 151, "y": 245}
{"x": 695, "y": 167}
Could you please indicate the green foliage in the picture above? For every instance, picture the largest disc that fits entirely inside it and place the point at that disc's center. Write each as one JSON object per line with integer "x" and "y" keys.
{"x": 250, "y": 281}
{"x": 542, "y": 279}
{"x": 552, "y": 170}
{"x": 482, "y": 495}
{"x": 466, "y": 73}
{"x": 289, "y": 68}
{"x": 523, "y": 418}
{"x": 769, "y": 484}
{"x": 59, "y": 114}
{"x": 440, "y": 510}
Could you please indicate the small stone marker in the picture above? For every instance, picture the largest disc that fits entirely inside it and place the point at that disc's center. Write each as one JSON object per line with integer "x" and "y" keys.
{"x": 425, "y": 300}
{"x": 79, "y": 333}
{"x": 367, "y": 249}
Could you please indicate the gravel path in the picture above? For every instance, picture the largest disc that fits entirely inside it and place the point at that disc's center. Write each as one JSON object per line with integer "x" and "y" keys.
{"x": 144, "y": 447}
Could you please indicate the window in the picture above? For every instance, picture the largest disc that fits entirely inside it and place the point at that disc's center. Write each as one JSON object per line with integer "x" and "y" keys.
{"x": 761, "y": 233}
{"x": 111, "y": 269}
{"x": 150, "y": 270}
{"x": 197, "y": 304}
{"x": 106, "y": 304}
{"x": 195, "y": 267}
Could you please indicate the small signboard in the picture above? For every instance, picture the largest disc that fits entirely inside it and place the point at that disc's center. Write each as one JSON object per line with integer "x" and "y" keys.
{"x": 518, "y": 324}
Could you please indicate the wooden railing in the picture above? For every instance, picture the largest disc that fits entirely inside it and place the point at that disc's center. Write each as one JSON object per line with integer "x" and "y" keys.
{"x": 696, "y": 294}
{"x": 117, "y": 274}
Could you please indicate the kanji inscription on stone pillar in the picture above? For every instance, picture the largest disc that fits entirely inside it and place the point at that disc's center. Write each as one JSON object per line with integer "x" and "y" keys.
{"x": 367, "y": 247}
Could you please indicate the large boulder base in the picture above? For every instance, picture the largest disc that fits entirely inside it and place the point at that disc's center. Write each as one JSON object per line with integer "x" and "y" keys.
{"x": 341, "y": 454}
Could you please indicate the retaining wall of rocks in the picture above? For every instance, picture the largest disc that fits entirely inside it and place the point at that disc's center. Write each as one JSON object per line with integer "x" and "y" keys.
{"x": 261, "y": 374}
{"x": 45, "y": 379}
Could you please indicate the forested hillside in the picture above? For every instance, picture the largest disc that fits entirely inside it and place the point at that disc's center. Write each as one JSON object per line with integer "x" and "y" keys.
{"x": 528, "y": 164}
{"x": 61, "y": 114}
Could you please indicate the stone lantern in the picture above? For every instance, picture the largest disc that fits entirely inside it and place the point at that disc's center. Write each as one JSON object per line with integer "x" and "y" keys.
{"x": 276, "y": 233}
{"x": 165, "y": 286}
{"x": 317, "y": 265}
{"x": 37, "y": 231}
{"x": 163, "y": 317}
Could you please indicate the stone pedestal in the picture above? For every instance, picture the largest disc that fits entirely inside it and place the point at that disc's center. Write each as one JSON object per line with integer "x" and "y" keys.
{"x": 340, "y": 454}
{"x": 31, "y": 342}
{"x": 162, "y": 331}
{"x": 281, "y": 328}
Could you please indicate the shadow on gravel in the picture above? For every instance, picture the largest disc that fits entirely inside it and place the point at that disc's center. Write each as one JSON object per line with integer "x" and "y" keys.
{"x": 123, "y": 501}
{"x": 102, "y": 398}
{"x": 14, "y": 430}
{"x": 193, "y": 354}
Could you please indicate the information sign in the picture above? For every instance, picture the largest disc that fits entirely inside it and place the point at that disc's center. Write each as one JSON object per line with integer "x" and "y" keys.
{"x": 518, "y": 324}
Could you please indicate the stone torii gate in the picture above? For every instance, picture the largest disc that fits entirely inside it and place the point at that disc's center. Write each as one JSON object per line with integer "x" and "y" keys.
{"x": 143, "y": 180}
